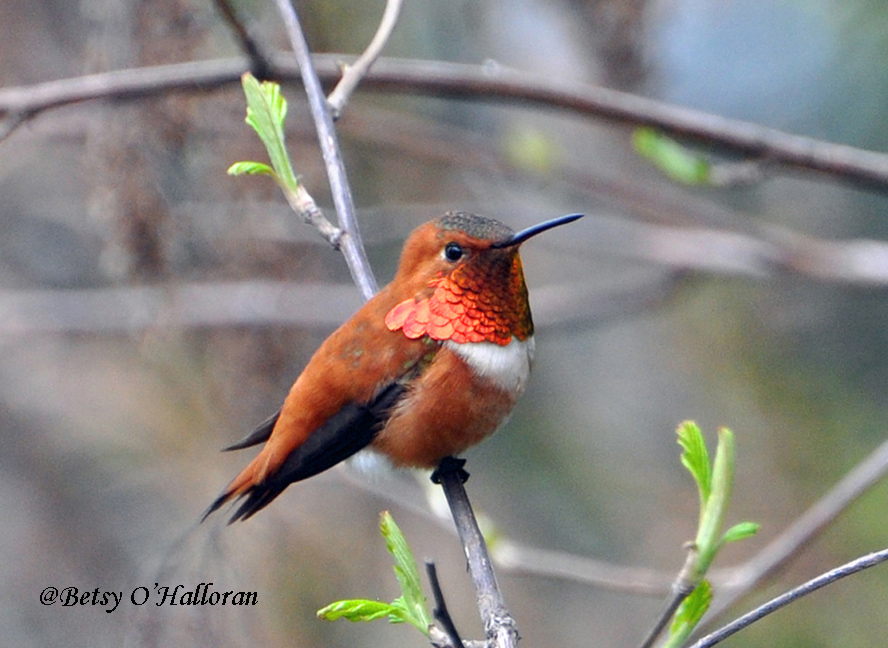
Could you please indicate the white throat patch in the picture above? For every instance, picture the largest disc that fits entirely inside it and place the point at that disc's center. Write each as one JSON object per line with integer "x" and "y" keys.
{"x": 507, "y": 366}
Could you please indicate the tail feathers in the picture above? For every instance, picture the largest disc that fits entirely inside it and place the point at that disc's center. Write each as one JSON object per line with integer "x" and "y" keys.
{"x": 241, "y": 485}
{"x": 254, "y": 485}
{"x": 216, "y": 505}
{"x": 351, "y": 429}
{"x": 258, "y": 435}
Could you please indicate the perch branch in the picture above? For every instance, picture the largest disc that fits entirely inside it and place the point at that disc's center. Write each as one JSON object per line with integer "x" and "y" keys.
{"x": 499, "y": 625}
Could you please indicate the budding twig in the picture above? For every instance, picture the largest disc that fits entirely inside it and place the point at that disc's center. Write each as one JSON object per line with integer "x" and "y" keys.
{"x": 680, "y": 590}
{"x": 352, "y": 74}
{"x": 350, "y": 239}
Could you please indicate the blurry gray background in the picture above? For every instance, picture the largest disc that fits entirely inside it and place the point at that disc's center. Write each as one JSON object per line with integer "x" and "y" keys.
{"x": 109, "y": 433}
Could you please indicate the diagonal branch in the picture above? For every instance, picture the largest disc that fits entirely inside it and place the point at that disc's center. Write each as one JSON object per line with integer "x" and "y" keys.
{"x": 350, "y": 241}
{"x": 807, "y": 527}
{"x": 681, "y": 588}
{"x": 352, "y": 74}
{"x": 260, "y": 64}
{"x": 848, "y": 569}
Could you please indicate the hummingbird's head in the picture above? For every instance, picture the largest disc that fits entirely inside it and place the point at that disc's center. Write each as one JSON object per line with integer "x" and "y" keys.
{"x": 464, "y": 281}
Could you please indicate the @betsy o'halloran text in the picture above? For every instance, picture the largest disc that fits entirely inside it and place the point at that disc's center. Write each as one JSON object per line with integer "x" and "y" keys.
{"x": 109, "y": 600}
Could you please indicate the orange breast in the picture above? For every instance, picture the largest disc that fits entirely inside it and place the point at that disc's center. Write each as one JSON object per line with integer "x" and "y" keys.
{"x": 447, "y": 410}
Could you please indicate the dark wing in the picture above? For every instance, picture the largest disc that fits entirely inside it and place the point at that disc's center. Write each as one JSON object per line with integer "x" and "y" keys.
{"x": 257, "y": 436}
{"x": 351, "y": 429}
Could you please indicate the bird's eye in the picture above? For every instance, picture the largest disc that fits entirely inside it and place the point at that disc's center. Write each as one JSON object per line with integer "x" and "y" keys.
{"x": 453, "y": 251}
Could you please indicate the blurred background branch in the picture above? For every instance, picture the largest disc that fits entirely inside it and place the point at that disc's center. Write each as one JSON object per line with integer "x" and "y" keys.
{"x": 673, "y": 253}
{"x": 260, "y": 63}
{"x": 490, "y": 82}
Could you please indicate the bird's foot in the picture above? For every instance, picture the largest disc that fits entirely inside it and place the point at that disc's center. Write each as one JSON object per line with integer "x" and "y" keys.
{"x": 450, "y": 465}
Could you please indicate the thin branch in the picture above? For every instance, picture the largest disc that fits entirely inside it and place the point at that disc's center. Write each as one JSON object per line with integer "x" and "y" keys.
{"x": 352, "y": 74}
{"x": 677, "y": 251}
{"x": 350, "y": 241}
{"x": 499, "y": 625}
{"x": 302, "y": 202}
{"x": 807, "y": 527}
{"x": 731, "y": 583}
{"x": 524, "y": 560}
{"x": 441, "y": 613}
{"x": 494, "y": 83}
{"x": 500, "y": 83}
{"x": 672, "y": 604}
{"x": 848, "y": 569}
{"x": 260, "y": 64}
{"x": 19, "y": 104}
{"x": 201, "y": 304}
{"x": 680, "y": 590}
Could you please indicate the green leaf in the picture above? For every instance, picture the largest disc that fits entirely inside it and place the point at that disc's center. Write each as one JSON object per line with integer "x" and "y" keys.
{"x": 251, "y": 168}
{"x": 696, "y": 458}
{"x": 530, "y": 149}
{"x": 359, "y": 610}
{"x": 715, "y": 483}
{"x": 413, "y": 601}
{"x": 740, "y": 532}
{"x": 266, "y": 110}
{"x": 409, "y": 607}
{"x": 690, "y": 612}
{"x": 403, "y": 613}
{"x": 708, "y": 539}
{"x": 670, "y": 157}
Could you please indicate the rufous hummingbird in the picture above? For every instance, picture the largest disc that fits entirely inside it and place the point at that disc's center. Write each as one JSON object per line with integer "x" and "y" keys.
{"x": 430, "y": 366}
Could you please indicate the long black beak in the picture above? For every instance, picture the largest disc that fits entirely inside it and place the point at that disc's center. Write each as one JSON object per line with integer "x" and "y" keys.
{"x": 519, "y": 237}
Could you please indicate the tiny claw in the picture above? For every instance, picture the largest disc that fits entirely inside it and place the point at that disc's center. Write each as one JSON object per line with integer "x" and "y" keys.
{"x": 450, "y": 465}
